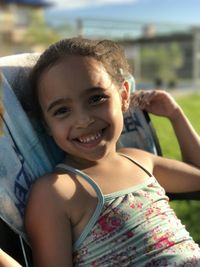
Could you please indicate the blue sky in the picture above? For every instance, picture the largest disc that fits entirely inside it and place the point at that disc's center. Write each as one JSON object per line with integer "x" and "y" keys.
{"x": 168, "y": 11}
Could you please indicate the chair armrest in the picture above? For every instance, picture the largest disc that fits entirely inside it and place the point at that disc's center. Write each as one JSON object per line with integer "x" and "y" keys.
{"x": 184, "y": 196}
{"x": 10, "y": 243}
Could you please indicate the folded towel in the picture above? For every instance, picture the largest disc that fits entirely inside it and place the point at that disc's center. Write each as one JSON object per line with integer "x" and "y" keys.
{"x": 26, "y": 152}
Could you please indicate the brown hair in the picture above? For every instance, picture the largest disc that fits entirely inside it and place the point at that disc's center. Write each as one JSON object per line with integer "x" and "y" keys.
{"x": 109, "y": 53}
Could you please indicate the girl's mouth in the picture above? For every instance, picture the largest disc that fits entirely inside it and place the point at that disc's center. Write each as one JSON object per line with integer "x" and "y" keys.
{"x": 90, "y": 140}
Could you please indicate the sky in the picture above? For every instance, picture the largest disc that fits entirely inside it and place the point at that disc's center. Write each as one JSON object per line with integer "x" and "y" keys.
{"x": 167, "y": 11}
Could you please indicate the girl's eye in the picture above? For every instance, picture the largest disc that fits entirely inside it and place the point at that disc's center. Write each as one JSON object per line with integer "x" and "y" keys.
{"x": 96, "y": 99}
{"x": 61, "y": 111}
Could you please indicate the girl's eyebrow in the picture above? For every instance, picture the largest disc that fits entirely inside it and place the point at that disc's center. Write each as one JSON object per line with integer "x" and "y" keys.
{"x": 93, "y": 90}
{"x": 64, "y": 100}
{"x": 57, "y": 102}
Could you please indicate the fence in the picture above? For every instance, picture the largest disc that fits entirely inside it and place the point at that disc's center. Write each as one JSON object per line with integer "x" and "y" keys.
{"x": 176, "y": 57}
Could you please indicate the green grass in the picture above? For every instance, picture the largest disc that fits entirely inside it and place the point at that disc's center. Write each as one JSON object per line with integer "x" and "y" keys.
{"x": 187, "y": 211}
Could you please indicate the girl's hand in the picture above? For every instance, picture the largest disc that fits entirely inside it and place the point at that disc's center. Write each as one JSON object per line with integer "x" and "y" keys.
{"x": 158, "y": 102}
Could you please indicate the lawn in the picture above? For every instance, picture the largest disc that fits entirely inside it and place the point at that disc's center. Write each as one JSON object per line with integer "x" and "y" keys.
{"x": 187, "y": 211}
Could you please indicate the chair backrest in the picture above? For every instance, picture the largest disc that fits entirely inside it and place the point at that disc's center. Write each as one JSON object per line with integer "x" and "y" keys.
{"x": 27, "y": 152}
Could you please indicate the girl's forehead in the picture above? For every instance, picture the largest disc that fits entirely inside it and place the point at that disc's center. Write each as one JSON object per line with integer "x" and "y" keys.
{"x": 76, "y": 67}
{"x": 75, "y": 72}
{"x": 80, "y": 63}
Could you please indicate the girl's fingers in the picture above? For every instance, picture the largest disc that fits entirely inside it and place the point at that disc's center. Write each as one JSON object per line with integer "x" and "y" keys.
{"x": 145, "y": 97}
{"x": 142, "y": 98}
{"x": 135, "y": 99}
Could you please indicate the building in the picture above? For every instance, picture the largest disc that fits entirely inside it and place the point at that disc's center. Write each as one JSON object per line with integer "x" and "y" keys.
{"x": 189, "y": 43}
{"x": 15, "y": 18}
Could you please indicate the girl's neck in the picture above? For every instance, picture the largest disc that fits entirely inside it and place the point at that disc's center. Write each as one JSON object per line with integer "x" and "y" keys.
{"x": 82, "y": 164}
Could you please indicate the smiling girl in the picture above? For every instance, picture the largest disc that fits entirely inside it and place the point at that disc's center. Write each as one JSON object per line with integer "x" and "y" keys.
{"x": 100, "y": 207}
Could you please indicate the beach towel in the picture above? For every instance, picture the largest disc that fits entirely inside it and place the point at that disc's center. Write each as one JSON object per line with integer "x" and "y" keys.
{"x": 26, "y": 151}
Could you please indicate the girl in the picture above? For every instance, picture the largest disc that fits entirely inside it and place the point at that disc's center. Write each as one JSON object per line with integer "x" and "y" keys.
{"x": 101, "y": 207}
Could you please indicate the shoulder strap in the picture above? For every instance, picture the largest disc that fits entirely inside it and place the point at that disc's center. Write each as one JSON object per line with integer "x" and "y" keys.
{"x": 137, "y": 163}
{"x": 99, "y": 207}
{"x": 67, "y": 168}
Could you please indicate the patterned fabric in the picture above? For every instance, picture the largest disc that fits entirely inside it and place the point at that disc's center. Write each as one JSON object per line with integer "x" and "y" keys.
{"x": 135, "y": 227}
{"x": 26, "y": 152}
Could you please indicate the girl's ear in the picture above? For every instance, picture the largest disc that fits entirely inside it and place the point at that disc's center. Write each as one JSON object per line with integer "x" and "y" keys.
{"x": 125, "y": 95}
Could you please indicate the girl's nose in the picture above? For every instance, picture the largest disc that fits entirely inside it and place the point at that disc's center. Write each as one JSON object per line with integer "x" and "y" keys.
{"x": 83, "y": 120}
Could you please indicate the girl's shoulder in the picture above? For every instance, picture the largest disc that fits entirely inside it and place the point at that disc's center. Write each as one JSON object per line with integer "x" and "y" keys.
{"x": 144, "y": 158}
{"x": 50, "y": 192}
{"x": 47, "y": 215}
{"x": 52, "y": 185}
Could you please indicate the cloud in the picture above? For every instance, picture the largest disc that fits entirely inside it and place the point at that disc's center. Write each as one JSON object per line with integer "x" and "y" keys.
{"x": 87, "y": 3}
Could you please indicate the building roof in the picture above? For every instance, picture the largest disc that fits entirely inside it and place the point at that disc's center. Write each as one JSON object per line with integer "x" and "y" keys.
{"x": 32, "y": 3}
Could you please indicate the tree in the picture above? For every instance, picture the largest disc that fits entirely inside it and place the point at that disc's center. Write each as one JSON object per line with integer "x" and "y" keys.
{"x": 160, "y": 62}
{"x": 39, "y": 33}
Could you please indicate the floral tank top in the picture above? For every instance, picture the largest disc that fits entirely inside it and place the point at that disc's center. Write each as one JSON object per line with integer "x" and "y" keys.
{"x": 134, "y": 227}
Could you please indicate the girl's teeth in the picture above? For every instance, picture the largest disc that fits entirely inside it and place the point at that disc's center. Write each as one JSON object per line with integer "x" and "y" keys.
{"x": 89, "y": 138}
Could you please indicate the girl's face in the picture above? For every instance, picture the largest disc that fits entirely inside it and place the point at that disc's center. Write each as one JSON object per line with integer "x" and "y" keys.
{"x": 82, "y": 107}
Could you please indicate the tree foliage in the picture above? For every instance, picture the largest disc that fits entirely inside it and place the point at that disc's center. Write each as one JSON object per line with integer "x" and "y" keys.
{"x": 39, "y": 33}
{"x": 161, "y": 61}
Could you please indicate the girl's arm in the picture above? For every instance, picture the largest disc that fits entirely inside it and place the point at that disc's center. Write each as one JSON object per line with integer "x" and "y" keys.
{"x": 161, "y": 103}
{"x": 48, "y": 226}
{"x": 175, "y": 176}
{"x": 7, "y": 261}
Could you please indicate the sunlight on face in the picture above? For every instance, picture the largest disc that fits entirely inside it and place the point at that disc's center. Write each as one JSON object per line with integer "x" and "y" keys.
{"x": 82, "y": 106}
